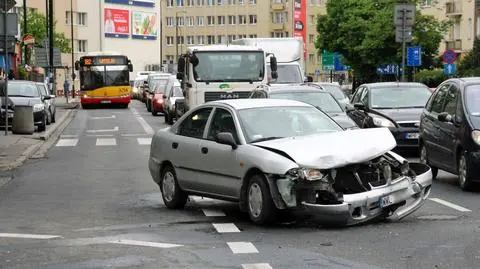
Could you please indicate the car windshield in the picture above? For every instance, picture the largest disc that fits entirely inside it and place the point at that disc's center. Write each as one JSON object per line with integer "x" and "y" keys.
{"x": 93, "y": 77}
{"x": 399, "y": 97}
{"x": 177, "y": 91}
{"x": 286, "y": 74}
{"x": 20, "y": 89}
{"x": 322, "y": 100}
{"x": 472, "y": 100}
{"x": 159, "y": 85}
{"x": 265, "y": 123}
{"x": 158, "y": 80}
{"x": 336, "y": 91}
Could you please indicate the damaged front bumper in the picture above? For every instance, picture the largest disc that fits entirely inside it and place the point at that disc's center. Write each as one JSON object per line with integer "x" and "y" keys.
{"x": 396, "y": 200}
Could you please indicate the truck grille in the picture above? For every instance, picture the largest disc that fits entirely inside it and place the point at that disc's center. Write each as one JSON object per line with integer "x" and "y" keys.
{"x": 213, "y": 96}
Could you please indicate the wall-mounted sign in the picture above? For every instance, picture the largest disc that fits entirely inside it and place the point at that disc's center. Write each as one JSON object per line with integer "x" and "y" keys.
{"x": 116, "y": 22}
{"x": 144, "y": 25}
{"x": 141, "y": 3}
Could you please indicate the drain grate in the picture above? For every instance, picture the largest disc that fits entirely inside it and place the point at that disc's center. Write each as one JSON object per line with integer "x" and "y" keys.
{"x": 438, "y": 217}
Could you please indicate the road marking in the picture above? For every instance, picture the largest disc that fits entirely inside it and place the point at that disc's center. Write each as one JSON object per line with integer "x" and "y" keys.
{"x": 29, "y": 236}
{"x": 146, "y": 127}
{"x": 242, "y": 247}
{"x": 67, "y": 142}
{"x": 100, "y": 135}
{"x": 68, "y": 136}
{"x": 451, "y": 205}
{"x": 103, "y": 118}
{"x": 133, "y": 135}
{"x": 226, "y": 227}
{"x": 115, "y": 129}
{"x": 213, "y": 213}
{"x": 144, "y": 243}
{"x": 256, "y": 266}
{"x": 144, "y": 141}
{"x": 106, "y": 142}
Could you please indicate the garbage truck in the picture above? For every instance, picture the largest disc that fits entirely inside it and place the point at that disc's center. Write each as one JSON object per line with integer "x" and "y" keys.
{"x": 289, "y": 54}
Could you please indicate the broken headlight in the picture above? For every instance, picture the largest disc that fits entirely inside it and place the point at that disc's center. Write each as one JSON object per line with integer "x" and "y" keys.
{"x": 309, "y": 174}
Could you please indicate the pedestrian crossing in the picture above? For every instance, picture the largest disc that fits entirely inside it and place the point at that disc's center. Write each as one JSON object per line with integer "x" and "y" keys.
{"x": 103, "y": 141}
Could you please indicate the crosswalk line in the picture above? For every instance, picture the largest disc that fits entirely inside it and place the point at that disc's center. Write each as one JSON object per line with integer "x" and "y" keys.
{"x": 67, "y": 142}
{"x": 106, "y": 142}
{"x": 242, "y": 247}
{"x": 144, "y": 141}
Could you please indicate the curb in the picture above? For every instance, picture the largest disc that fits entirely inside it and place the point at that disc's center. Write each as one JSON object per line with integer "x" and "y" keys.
{"x": 48, "y": 133}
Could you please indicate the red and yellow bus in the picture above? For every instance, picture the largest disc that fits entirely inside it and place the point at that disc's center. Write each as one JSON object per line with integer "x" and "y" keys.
{"x": 104, "y": 79}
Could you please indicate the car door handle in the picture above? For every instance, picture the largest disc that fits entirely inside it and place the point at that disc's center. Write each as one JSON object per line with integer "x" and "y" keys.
{"x": 204, "y": 150}
{"x": 174, "y": 145}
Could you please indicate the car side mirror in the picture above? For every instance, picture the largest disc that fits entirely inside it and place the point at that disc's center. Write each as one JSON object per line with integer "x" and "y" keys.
{"x": 273, "y": 64}
{"x": 308, "y": 79}
{"x": 130, "y": 67}
{"x": 46, "y": 97}
{"x": 180, "y": 76}
{"x": 226, "y": 138}
{"x": 445, "y": 117}
{"x": 360, "y": 106}
{"x": 77, "y": 65}
{"x": 164, "y": 96}
{"x": 274, "y": 74}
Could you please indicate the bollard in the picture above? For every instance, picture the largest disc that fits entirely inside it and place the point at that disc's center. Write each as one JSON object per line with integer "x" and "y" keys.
{"x": 23, "y": 120}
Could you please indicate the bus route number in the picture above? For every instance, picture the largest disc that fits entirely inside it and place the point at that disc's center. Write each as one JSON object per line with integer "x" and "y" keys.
{"x": 87, "y": 62}
{"x": 106, "y": 61}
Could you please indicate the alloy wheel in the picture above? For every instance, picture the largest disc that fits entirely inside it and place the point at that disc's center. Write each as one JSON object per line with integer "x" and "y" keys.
{"x": 462, "y": 170}
{"x": 255, "y": 200}
{"x": 168, "y": 186}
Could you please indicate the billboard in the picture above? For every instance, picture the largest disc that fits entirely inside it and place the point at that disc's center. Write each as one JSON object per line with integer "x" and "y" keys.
{"x": 140, "y": 3}
{"x": 300, "y": 22}
{"x": 144, "y": 25}
{"x": 116, "y": 22}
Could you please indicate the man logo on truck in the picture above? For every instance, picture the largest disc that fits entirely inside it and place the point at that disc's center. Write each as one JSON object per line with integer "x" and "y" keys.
{"x": 229, "y": 96}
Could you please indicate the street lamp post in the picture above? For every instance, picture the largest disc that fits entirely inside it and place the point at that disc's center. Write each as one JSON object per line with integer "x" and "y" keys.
{"x": 176, "y": 31}
{"x": 73, "y": 53}
{"x": 24, "y": 31}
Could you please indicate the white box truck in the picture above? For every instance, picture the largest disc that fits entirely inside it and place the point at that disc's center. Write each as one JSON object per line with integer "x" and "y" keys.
{"x": 289, "y": 54}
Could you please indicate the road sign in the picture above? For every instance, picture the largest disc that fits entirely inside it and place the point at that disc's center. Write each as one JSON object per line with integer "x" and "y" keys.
{"x": 328, "y": 61}
{"x": 449, "y": 69}
{"x": 12, "y": 24}
{"x": 404, "y": 15}
{"x": 414, "y": 56}
{"x": 388, "y": 69}
{"x": 41, "y": 57}
{"x": 10, "y": 4}
{"x": 449, "y": 56}
{"x": 402, "y": 35}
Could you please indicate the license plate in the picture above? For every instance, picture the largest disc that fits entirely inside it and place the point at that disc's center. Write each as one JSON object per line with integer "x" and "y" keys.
{"x": 105, "y": 102}
{"x": 412, "y": 135}
{"x": 385, "y": 201}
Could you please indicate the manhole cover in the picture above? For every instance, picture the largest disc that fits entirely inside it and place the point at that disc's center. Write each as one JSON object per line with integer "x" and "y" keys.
{"x": 438, "y": 217}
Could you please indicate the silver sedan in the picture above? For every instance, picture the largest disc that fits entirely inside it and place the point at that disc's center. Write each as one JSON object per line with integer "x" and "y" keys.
{"x": 269, "y": 155}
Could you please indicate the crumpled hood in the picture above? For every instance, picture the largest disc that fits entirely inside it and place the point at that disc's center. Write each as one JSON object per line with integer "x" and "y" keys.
{"x": 343, "y": 120}
{"x": 336, "y": 149}
{"x": 402, "y": 114}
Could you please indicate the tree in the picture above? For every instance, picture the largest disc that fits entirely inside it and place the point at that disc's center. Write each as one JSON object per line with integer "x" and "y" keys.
{"x": 364, "y": 33}
{"x": 36, "y": 26}
{"x": 470, "y": 64}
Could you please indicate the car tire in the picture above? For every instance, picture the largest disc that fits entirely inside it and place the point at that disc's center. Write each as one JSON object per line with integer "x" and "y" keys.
{"x": 85, "y": 106}
{"x": 173, "y": 196}
{"x": 42, "y": 127}
{"x": 154, "y": 111}
{"x": 260, "y": 204}
{"x": 49, "y": 117}
{"x": 465, "y": 175}
{"x": 165, "y": 116}
{"x": 149, "y": 107}
{"x": 125, "y": 106}
{"x": 53, "y": 116}
{"x": 424, "y": 160}
{"x": 170, "y": 118}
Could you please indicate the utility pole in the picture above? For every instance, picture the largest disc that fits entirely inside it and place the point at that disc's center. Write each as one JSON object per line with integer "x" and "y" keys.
{"x": 176, "y": 32}
{"x": 24, "y": 30}
{"x": 404, "y": 20}
{"x": 5, "y": 62}
{"x": 47, "y": 30}
{"x": 73, "y": 53}
{"x": 50, "y": 45}
{"x": 161, "y": 34}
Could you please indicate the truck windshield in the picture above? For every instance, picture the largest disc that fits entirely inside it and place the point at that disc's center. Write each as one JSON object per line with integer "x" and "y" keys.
{"x": 286, "y": 74}
{"x": 231, "y": 66}
{"x": 93, "y": 77}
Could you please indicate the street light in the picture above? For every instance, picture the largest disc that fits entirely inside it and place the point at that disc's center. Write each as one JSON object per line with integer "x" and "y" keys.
{"x": 176, "y": 30}
{"x": 73, "y": 53}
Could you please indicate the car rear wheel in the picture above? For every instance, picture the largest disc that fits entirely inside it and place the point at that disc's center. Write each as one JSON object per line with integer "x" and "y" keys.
{"x": 173, "y": 196}
{"x": 43, "y": 125}
{"x": 424, "y": 160}
{"x": 465, "y": 175}
{"x": 260, "y": 204}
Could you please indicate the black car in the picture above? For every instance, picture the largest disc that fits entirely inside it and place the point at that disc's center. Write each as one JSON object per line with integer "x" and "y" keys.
{"x": 319, "y": 98}
{"x": 25, "y": 93}
{"x": 394, "y": 105}
{"x": 450, "y": 130}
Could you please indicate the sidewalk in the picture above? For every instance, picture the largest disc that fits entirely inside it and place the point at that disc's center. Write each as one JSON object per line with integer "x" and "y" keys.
{"x": 15, "y": 149}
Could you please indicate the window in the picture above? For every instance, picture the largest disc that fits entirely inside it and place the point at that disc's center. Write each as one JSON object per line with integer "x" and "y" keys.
{"x": 231, "y": 38}
{"x": 253, "y": 19}
{"x": 180, "y": 21}
{"x": 190, "y": 3}
{"x": 200, "y": 20}
{"x": 232, "y": 19}
{"x": 180, "y": 40}
{"x": 219, "y": 2}
{"x": 210, "y": 39}
{"x": 451, "y": 100}
{"x": 81, "y": 46}
{"x": 364, "y": 97}
{"x": 311, "y": 39}
{"x": 222, "y": 122}
{"x": 170, "y": 21}
{"x": 200, "y": 40}
{"x": 252, "y": 36}
{"x": 221, "y": 20}
{"x": 190, "y": 21}
{"x": 210, "y": 20}
{"x": 170, "y": 40}
{"x": 169, "y": 3}
{"x": 81, "y": 18}
{"x": 200, "y": 2}
{"x": 190, "y": 40}
{"x": 194, "y": 125}
{"x": 253, "y": 2}
{"x": 279, "y": 17}
{"x": 221, "y": 39}
{"x": 311, "y": 57}
{"x": 439, "y": 99}
{"x": 180, "y": 3}
{"x": 242, "y": 19}
{"x": 67, "y": 17}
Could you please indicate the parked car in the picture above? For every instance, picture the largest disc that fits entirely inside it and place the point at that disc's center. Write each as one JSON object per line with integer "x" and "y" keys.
{"x": 317, "y": 97}
{"x": 336, "y": 90}
{"x": 450, "y": 130}
{"x": 150, "y": 84}
{"x": 49, "y": 103}
{"x": 394, "y": 105}
{"x": 158, "y": 96}
{"x": 23, "y": 92}
{"x": 173, "y": 96}
{"x": 272, "y": 154}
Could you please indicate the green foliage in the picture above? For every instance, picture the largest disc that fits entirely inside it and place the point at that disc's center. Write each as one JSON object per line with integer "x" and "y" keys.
{"x": 470, "y": 64}
{"x": 37, "y": 24}
{"x": 431, "y": 78}
{"x": 364, "y": 33}
{"x": 22, "y": 72}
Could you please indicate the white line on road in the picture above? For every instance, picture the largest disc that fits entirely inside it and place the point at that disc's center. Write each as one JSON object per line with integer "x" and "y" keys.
{"x": 451, "y": 205}
{"x": 115, "y": 129}
{"x": 29, "y": 236}
{"x": 68, "y": 136}
{"x": 226, "y": 227}
{"x": 145, "y": 243}
{"x": 148, "y": 129}
{"x": 256, "y": 266}
{"x": 133, "y": 135}
{"x": 99, "y": 135}
{"x": 242, "y": 247}
{"x": 144, "y": 141}
{"x": 213, "y": 213}
{"x": 67, "y": 142}
{"x": 103, "y": 118}
{"x": 106, "y": 142}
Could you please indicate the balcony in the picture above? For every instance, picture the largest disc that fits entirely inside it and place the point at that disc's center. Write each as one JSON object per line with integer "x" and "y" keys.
{"x": 453, "y": 8}
{"x": 455, "y": 45}
{"x": 278, "y": 6}
{"x": 278, "y": 26}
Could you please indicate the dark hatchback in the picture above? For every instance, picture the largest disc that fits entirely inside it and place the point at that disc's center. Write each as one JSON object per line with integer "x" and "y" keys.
{"x": 24, "y": 93}
{"x": 394, "y": 105}
{"x": 450, "y": 130}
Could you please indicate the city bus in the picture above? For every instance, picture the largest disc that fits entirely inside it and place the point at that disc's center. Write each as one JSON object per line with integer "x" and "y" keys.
{"x": 104, "y": 79}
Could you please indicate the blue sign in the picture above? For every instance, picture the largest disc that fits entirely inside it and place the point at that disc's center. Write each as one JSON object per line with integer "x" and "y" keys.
{"x": 141, "y": 3}
{"x": 449, "y": 56}
{"x": 388, "y": 69}
{"x": 414, "y": 56}
{"x": 449, "y": 69}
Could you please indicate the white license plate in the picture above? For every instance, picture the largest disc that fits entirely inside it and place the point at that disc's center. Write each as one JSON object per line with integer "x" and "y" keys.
{"x": 385, "y": 201}
{"x": 412, "y": 135}
{"x": 105, "y": 102}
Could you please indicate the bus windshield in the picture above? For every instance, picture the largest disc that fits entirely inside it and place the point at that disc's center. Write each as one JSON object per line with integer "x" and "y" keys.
{"x": 93, "y": 77}
{"x": 229, "y": 66}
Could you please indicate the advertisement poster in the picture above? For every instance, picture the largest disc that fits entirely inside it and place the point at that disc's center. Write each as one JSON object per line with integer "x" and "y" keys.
{"x": 116, "y": 22}
{"x": 300, "y": 22}
{"x": 140, "y": 3}
{"x": 144, "y": 25}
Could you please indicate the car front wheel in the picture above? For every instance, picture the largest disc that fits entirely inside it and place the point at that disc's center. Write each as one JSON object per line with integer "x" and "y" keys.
{"x": 173, "y": 196}
{"x": 424, "y": 160}
{"x": 260, "y": 207}
{"x": 465, "y": 174}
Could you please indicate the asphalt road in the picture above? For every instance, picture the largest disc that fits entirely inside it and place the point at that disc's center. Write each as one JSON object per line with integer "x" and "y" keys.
{"x": 91, "y": 203}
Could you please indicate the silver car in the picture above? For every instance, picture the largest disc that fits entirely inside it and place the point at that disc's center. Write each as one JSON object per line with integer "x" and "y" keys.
{"x": 271, "y": 154}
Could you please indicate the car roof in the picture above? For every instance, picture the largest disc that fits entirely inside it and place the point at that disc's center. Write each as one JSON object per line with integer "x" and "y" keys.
{"x": 394, "y": 84}
{"x": 467, "y": 80}
{"x": 239, "y": 104}
{"x": 294, "y": 90}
